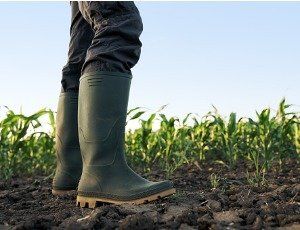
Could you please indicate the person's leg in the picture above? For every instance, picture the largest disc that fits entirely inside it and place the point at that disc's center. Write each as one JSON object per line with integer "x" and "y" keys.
{"x": 102, "y": 108}
{"x": 81, "y": 35}
{"x": 69, "y": 163}
{"x": 116, "y": 46}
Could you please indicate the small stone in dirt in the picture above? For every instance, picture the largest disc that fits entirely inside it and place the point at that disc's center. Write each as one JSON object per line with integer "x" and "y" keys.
{"x": 132, "y": 209}
{"x": 232, "y": 198}
{"x": 223, "y": 198}
{"x": 137, "y": 222}
{"x": 257, "y": 223}
{"x": 205, "y": 221}
{"x": 190, "y": 216}
{"x": 102, "y": 217}
{"x": 227, "y": 216}
{"x": 186, "y": 227}
{"x": 270, "y": 219}
{"x": 251, "y": 218}
{"x": 280, "y": 189}
{"x": 172, "y": 211}
{"x": 280, "y": 219}
{"x": 214, "y": 205}
{"x": 246, "y": 202}
{"x": 296, "y": 189}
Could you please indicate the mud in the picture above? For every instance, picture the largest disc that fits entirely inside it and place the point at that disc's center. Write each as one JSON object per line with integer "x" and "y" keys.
{"x": 27, "y": 203}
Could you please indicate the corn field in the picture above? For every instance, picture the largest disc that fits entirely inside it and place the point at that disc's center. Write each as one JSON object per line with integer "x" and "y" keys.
{"x": 270, "y": 137}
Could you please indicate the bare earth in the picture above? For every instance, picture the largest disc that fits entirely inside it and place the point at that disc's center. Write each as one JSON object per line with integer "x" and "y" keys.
{"x": 27, "y": 203}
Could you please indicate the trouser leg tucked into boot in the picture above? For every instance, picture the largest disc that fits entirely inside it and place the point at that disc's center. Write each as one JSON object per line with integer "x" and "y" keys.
{"x": 69, "y": 161}
{"x": 106, "y": 177}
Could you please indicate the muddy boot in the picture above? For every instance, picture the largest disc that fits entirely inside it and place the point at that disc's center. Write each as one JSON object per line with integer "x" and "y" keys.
{"x": 69, "y": 162}
{"x": 106, "y": 177}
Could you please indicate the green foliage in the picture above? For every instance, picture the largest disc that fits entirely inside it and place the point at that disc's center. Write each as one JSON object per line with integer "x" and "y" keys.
{"x": 23, "y": 148}
{"x": 165, "y": 142}
{"x": 214, "y": 181}
{"x": 260, "y": 142}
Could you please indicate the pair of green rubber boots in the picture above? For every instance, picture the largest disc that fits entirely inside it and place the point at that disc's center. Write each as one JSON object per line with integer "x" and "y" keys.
{"x": 90, "y": 145}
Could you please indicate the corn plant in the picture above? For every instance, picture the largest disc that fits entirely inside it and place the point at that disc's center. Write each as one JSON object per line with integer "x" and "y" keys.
{"x": 24, "y": 149}
{"x": 165, "y": 142}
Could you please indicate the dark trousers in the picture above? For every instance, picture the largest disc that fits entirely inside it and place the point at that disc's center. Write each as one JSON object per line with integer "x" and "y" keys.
{"x": 104, "y": 36}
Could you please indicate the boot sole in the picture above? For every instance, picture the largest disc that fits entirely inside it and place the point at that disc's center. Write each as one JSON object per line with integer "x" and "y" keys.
{"x": 91, "y": 202}
{"x": 62, "y": 192}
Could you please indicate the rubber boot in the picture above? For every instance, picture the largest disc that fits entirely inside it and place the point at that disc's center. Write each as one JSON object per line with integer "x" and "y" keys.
{"x": 69, "y": 161}
{"x": 106, "y": 177}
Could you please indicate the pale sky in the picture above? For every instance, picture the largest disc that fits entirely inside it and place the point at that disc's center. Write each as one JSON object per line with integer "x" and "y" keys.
{"x": 237, "y": 56}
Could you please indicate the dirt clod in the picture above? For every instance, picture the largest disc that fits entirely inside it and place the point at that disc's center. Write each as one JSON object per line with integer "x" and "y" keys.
{"x": 137, "y": 222}
{"x": 214, "y": 205}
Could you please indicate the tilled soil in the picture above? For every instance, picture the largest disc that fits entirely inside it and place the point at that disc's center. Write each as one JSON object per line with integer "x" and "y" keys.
{"x": 27, "y": 203}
